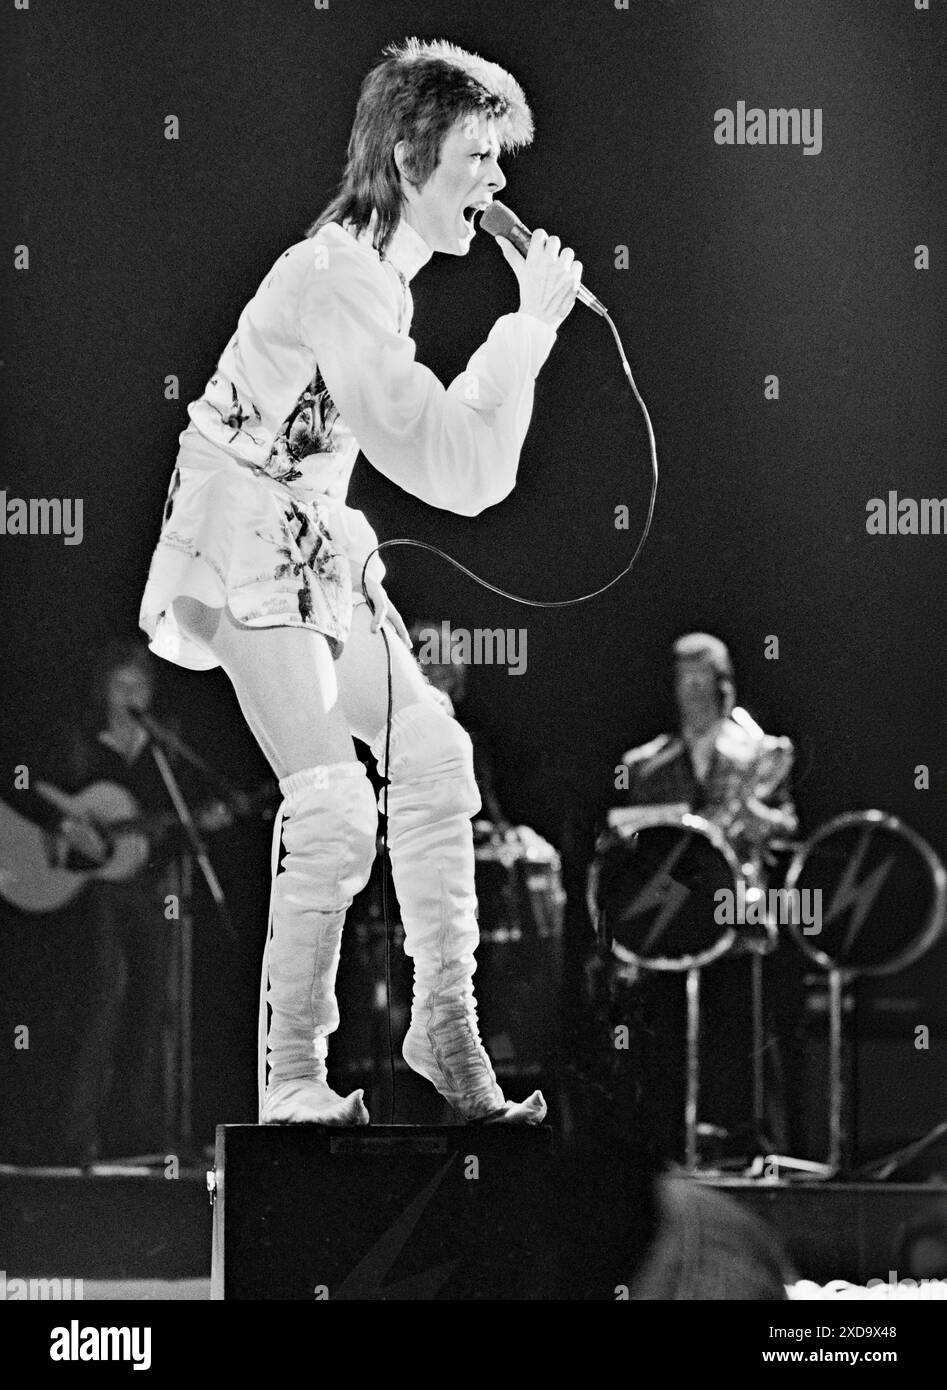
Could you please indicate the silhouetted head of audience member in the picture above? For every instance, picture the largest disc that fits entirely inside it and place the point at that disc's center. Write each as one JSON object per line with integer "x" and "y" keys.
{"x": 616, "y": 1227}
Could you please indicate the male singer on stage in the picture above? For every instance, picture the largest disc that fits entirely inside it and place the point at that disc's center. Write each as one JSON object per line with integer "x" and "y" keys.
{"x": 258, "y": 567}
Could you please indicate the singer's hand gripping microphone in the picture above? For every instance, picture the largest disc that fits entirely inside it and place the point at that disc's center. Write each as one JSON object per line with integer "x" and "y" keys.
{"x": 500, "y": 221}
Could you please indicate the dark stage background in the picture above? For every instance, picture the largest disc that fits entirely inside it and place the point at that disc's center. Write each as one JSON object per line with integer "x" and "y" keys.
{"x": 743, "y": 262}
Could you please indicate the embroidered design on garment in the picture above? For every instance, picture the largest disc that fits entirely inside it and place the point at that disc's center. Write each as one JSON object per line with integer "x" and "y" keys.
{"x": 188, "y": 546}
{"x": 305, "y": 550}
{"x": 239, "y": 415}
{"x": 308, "y": 430}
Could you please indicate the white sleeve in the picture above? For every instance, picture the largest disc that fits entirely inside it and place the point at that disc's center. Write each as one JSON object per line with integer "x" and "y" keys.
{"x": 456, "y": 448}
{"x": 356, "y": 538}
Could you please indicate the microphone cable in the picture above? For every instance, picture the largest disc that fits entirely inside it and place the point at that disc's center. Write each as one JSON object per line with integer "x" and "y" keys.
{"x": 514, "y": 598}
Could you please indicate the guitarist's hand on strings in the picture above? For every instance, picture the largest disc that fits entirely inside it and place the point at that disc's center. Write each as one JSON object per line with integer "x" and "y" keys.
{"x": 218, "y": 815}
{"x": 79, "y": 837}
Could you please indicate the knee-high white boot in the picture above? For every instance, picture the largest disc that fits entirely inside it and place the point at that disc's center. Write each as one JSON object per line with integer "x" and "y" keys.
{"x": 432, "y": 795}
{"x": 329, "y": 831}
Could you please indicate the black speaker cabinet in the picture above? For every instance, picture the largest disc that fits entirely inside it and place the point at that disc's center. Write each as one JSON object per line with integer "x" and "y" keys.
{"x": 307, "y": 1212}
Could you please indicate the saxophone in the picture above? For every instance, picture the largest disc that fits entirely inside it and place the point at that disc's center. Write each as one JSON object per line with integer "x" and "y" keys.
{"x": 755, "y": 777}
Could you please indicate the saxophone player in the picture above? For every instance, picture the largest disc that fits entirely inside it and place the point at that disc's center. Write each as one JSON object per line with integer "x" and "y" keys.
{"x": 723, "y": 767}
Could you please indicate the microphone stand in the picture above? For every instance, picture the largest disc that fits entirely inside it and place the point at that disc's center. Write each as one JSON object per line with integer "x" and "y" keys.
{"x": 163, "y": 735}
{"x": 179, "y": 1108}
{"x": 198, "y": 844}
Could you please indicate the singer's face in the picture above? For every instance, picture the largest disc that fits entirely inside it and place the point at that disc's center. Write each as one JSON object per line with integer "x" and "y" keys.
{"x": 467, "y": 176}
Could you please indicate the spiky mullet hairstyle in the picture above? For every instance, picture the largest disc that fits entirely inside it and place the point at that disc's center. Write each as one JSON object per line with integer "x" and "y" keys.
{"x": 416, "y": 94}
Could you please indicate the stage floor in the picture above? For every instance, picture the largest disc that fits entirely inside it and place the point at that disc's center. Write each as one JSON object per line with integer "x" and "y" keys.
{"x": 134, "y": 1234}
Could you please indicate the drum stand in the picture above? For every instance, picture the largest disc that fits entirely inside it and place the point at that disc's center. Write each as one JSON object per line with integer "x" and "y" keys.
{"x": 841, "y": 1139}
{"x": 767, "y": 1164}
{"x": 838, "y": 1155}
{"x": 838, "y": 1162}
{"x": 692, "y": 1127}
{"x": 772, "y": 1166}
{"x": 692, "y": 1054}
{"x": 763, "y": 1165}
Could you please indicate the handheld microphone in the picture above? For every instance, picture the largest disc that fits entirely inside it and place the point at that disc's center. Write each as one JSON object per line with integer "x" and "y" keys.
{"x": 154, "y": 729}
{"x": 500, "y": 221}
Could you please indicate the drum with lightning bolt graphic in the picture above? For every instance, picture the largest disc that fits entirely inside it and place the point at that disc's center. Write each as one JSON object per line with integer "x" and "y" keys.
{"x": 871, "y": 894}
{"x": 654, "y": 892}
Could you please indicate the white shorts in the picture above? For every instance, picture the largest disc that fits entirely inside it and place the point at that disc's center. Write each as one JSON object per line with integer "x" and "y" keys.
{"x": 234, "y": 537}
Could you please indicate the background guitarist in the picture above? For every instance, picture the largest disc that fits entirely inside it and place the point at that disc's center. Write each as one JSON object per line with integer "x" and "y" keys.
{"x": 120, "y": 1092}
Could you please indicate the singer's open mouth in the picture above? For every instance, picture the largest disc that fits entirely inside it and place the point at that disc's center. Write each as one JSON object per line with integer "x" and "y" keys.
{"x": 471, "y": 211}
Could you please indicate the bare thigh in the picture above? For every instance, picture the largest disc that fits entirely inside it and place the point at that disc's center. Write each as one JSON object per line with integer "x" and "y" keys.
{"x": 363, "y": 677}
{"x": 285, "y": 682}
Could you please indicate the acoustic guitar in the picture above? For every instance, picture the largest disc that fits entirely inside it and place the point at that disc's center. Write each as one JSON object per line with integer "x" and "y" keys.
{"x": 116, "y": 838}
